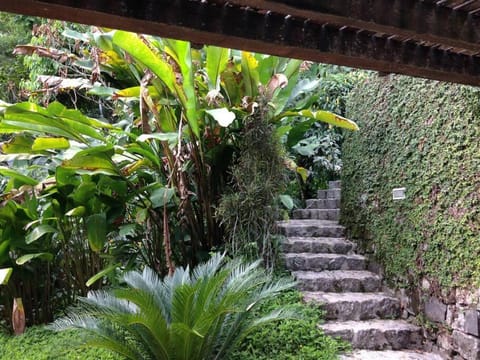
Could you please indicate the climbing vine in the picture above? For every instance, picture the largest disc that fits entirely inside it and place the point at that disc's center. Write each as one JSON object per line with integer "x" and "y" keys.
{"x": 422, "y": 135}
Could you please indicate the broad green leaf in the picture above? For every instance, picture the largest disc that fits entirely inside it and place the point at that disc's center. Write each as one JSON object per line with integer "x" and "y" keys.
{"x": 223, "y": 116}
{"x": 77, "y": 211}
{"x": 250, "y": 74}
{"x": 18, "y": 145}
{"x": 96, "y": 225}
{"x": 181, "y": 51}
{"x": 133, "y": 45}
{"x": 161, "y": 196}
{"x": 287, "y": 201}
{"x": 101, "y": 274}
{"x": 83, "y": 193}
{"x": 216, "y": 63}
{"x": 102, "y": 91}
{"x": 29, "y": 257}
{"x": 324, "y": 116}
{"x": 75, "y": 35}
{"x": 5, "y": 275}
{"x": 42, "y": 143}
{"x": 38, "y": 232}
{"x": 17, "y": 176}
{"x": 171, "y": 137}
{"x": 92, "y": 163}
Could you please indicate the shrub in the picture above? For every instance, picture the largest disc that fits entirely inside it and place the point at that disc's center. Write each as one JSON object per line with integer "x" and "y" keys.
{"x": 201, "y": 314}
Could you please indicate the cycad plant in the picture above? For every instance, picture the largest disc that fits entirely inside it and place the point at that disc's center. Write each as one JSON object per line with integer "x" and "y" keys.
{"x": 198, "y": 314}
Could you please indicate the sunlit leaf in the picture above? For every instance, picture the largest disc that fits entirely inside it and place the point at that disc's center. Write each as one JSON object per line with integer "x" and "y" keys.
{"x": 42, "y": 143}
{"x": 216, "y": 62}
{"x": 101, "y": 274}
{"x": 77, "y": 211}
{"x": 29, "y": 257}
{"x": 324, "y": 116}
{"x": 250, "y": 74}
{"x": 223, "y": 116}
{"x": 38, "y": 232}
{"x": 5, "y": 275}
{"x": 287, "y": 201}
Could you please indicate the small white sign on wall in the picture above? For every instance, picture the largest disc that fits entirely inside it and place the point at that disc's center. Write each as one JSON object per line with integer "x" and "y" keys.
{"x": 398, "y": 193}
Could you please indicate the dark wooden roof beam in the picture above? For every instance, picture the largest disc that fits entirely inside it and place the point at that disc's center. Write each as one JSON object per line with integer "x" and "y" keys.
{"x": 239, "y": 24}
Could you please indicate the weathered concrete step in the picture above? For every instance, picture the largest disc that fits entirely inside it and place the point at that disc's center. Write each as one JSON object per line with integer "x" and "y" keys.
{"x": 390, "y": 355}
{"x": 317, "y": 245}
{"x": 320, "y": 262}
{"x": 355, "y": 306}
{"x": 323, "y": 203}
{"x": 376, "y": 334}
{"x": 329, "y": 194}
{"x": 311, "y": 228}
{"x": 338, "y": 281}
{"x": 337, "y": 184}
{"x": 318, "y": 214}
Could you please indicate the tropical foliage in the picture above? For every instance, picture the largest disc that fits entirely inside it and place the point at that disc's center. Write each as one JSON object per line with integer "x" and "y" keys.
{"x": 198, "y": 314}
{"x": 141, "y": 184}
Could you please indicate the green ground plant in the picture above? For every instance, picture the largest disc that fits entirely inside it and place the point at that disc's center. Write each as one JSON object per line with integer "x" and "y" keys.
{"x": 290, "y": 339}
{"x": 197, "y": 314}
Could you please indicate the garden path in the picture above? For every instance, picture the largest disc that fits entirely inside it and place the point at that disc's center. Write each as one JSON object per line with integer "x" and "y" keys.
{"x": 329, "y": 272}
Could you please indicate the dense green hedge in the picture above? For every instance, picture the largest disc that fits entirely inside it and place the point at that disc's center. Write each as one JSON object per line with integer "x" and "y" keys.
{"x": 423, "y": 135}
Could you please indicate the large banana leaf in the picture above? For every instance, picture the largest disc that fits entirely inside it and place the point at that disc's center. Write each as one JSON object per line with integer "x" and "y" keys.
{"x": 251, "y": 78}
{"x": 180, "y": 51}
{"x": 55, "y": 120}
{"x": 216, "y": 63}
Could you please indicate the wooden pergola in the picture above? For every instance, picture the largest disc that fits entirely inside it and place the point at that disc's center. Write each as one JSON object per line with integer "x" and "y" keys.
{"x": 436, "y": 39}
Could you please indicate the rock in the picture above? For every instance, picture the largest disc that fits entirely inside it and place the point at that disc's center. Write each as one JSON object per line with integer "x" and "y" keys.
{"x": 466, "y": 345}
{"x": 471, "y": 325}
{"x": 435, "y": 310}
{"x": 355, "y": 306}
{"x": 445, "y": 341}
{"x": 319, "y": 262}
{"x": 338, "y": 281}
{"x": 390, "y": 355}
{"x": 375, "y": 334}
{"x": 317, "y": 245}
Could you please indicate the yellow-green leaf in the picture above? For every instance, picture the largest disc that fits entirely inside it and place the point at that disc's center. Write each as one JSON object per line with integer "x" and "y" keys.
{"x": 43, "y": 143}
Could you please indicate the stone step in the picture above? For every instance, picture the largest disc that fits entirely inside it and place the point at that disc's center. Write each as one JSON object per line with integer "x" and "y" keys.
{"x": 329, "y": 194}
{"x": 323, "y": 203}
{"x": 390, "y": 355}
{"x": 337, "y": 184}
{"x": 320, "y": 262}
{"x": 355, "y": 306}
{"x": 318, "y": 214}
{"x": 338, "y": 281}
{"x": 311, "y": 228}
{"x": 317, "y": 245}
{"x": 376, "y": 334}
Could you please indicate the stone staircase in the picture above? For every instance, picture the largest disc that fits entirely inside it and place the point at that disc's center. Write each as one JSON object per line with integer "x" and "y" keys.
{"x": 330, "y": 273}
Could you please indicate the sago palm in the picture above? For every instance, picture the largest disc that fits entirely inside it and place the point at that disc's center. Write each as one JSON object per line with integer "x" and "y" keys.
{"x": 198, "y": 314}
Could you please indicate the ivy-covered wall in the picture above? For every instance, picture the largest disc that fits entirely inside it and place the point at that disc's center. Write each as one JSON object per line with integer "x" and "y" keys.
{"x": 425, "y": 136}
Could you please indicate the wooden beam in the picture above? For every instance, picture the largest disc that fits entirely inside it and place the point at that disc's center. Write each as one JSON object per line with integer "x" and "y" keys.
{"x": 235, "y": 26}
